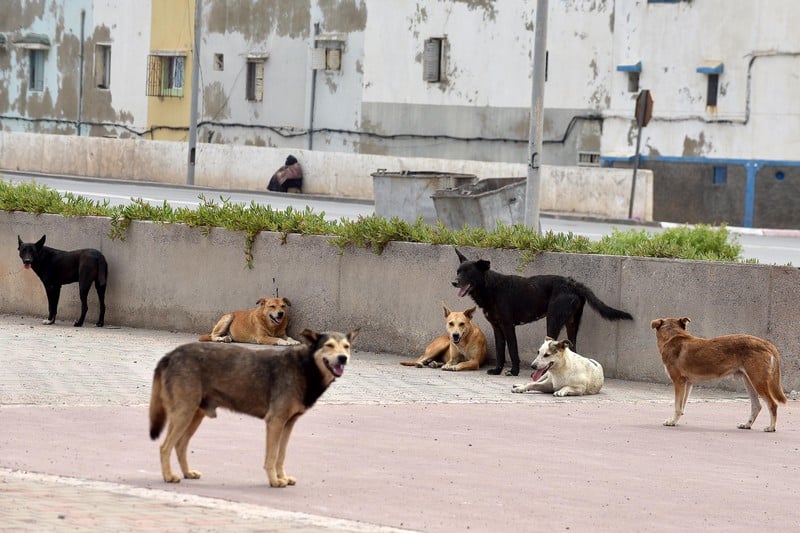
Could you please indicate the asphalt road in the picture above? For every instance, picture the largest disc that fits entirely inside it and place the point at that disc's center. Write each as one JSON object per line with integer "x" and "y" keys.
{"x": 771, "y": 247}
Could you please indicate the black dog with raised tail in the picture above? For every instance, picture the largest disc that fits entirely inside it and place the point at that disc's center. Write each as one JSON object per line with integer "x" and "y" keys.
{"x": 508, "y": 300}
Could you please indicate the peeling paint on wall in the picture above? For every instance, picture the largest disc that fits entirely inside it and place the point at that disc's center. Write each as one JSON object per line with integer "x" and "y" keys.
{"x": 696, "y": 147}
{"x": 344, "y": 15}
{"x": 256, "y": 19}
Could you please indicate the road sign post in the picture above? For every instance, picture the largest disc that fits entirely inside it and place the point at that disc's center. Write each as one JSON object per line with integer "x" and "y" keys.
{"x": 643, "y": 114}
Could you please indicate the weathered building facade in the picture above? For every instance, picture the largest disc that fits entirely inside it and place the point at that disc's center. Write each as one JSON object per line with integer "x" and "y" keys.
{"x": 446, "y": 79}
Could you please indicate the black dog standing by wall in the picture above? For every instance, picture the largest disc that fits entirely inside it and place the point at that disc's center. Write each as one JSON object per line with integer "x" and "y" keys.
{"x": 58, "y": 267}
{"x": 509, "y": 300}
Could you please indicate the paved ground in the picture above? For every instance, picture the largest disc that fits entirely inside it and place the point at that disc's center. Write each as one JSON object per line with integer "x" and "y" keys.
{"x": 387, "y": 448}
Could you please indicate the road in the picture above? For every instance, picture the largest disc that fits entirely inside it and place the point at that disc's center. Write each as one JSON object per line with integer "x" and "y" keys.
{"x": 773, "y": 247}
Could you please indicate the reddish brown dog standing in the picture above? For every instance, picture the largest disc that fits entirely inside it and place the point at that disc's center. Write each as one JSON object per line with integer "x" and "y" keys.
{"x": 266, "y": 324}
{"x": 689, "y": 360}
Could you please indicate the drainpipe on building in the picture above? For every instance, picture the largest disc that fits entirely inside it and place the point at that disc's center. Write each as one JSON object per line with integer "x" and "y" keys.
{"x": 198, "y": 20}
{"x": 313, "y": 93}
{"x": 80, "y": 73}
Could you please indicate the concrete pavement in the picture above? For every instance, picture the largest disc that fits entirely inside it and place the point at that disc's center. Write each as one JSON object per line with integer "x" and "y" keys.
{"x": 386, "y": 448}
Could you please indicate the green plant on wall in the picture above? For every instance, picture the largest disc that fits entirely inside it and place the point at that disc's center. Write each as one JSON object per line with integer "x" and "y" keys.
{"x": 701, "y": 242}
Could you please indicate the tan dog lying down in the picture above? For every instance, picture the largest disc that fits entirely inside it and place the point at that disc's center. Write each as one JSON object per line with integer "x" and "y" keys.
{"x": 689, "y": 360}
{"x": 560, "y": 371}
{"x": 463, "y": 347}
{"x": 266, "y": 324}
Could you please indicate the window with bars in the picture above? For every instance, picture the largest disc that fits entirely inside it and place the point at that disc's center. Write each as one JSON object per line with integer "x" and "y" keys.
{"x": 255, "y": 80}
{"x": 102, "y": 66}
{"x": 165, "y": 74}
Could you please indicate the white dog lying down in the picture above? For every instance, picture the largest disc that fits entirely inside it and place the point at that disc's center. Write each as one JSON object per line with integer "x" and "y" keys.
{"x": 559, "y": 370}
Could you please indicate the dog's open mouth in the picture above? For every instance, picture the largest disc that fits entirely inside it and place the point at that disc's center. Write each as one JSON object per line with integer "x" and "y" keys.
{"x": 276, "y": 319}
{"x": 539, "y": 372}
{"x": 337, "y": 369}
{"x": 27, "y": 266}
{"x": 463, "y": 291}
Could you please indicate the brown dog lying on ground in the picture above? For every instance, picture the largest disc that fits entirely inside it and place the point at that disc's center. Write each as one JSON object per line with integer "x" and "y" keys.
{"x": 689, "y": 360}
{"x": 266, "y": 324}
{"x": 463, "y": 347}
{"x": 191, "y": 381}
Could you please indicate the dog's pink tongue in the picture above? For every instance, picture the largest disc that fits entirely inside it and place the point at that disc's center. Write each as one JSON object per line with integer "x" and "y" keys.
{"x": 27, "y": 266}
{"x": 536, "y": 376}
{"x": 462, "y": 291}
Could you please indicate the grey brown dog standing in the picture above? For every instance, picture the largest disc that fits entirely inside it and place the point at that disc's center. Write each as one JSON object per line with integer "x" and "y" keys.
{"x": 689, "y": 360}
{"x": 190, "y": 382}
{"x": 59, "y": 267}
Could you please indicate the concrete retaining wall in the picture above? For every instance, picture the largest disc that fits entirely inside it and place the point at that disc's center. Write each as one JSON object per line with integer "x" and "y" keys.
{"x": 580, "y": 190}
{"x": 174, "y": 277}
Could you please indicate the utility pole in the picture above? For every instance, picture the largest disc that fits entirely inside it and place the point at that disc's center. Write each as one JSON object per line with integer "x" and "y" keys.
{"x": 537, "y": 117}
{"x": 198, "y": 21}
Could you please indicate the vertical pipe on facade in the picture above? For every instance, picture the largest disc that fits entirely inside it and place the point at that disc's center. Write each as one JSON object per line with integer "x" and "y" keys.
{"x": 80, "y": 72}
{"x": 537, "y": 117}
{"x": 313, "y": 91}
{"x": 198, "y": 19}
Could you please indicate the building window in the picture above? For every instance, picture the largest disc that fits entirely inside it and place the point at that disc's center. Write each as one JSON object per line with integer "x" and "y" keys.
{"x": 219, "y": 62}
{"x": 633, "y": 71}
{"x": 255, "y": 80}
{"x": 713, "y": 90}
{"x": 712, "y": 69}
{"x": 36, "y": 80}
{"x": 432, "y": 60}
{"x": 102, "y": 66}
{"x": 720, "y": 175}
{"x": 165, "y": 74}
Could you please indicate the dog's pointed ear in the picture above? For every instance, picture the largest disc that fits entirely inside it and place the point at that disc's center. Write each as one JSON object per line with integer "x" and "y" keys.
{"x": 461, "y": 256}
{"x": 685, "y": 320}
{"x": 310, "y": 336}
{"x": 566, "y": 343}
{"x": 286, "y": 301}
{"x": 447, "y": 310}
{"x": 655, "y": 324}
{"x": 261, "y": 301}
{"x": 483, "y": 265}
{"x": 19, "y": 242}
{"x": 353, "y": 334}
{"x": 469, "y": 312}
{"x": 548, "y": 338}
{"x": 40, "y": 243}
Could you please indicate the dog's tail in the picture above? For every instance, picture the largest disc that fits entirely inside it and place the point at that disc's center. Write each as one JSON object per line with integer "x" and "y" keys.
{"x": 408, "y": 363}
{"x": 158, "y": 415}
{"x": 606, "y": 311}
{"x": 204, "y": 338}
{"x": 775, "y": 387}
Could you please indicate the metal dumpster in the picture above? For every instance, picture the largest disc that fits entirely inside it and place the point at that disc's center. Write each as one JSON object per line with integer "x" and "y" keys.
{"x": 407, "y": 194}
{"x": 482, "y": 204}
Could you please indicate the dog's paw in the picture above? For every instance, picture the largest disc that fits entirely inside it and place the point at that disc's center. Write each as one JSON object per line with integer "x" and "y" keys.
{"x": 669, "y": 422}
{"x": 226, "y": 338}
{"x": 48, "y": 321}
{"x": 518, "y": 388}
{"x": 770, "y": 429}
{"x": 747, "y": 426}
{"x": 291, "y": 342}
{"x": 494, "y": 371}
{"x": 171, "y": 478}
{"x": 78, "y": 324}
{"x": 435, "y": 364}
{"x": 192, "y": 474}
{"x": 279, "y": 482}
